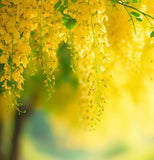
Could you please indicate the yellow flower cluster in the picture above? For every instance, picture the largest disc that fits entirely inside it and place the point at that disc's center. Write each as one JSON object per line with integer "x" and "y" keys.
{"x": 30, "y": 34}
{"x": 89, "y": 59}
{"x": 16, "y": 19}
{"x": 126, "y": 45}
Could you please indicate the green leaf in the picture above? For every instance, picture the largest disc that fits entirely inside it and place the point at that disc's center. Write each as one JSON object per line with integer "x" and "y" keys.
{"x": 64, "y": 20}
{"x": 139, "y": 19}
{"x": 32, "y": 33}
{"x": 12, "y": 3}
{"x": 2, "y": 5}
{"x": 127, "y": 2}
{"x": 67, "y": 20}
{"x": 152, "y": 34}
{"x": 1, "y": 52}
{"x": 67, "y": 16}
{"x": 66, "y": 3}
{"x": 74, "y": 1}
{"x": 57, "y": 5}
{"x": 62, "y": 8}
{"x": 21, "y": 35}
{"x": 113, "y": 1}
{"x": 69, "y": 23}
{"x": 135, "y": 14}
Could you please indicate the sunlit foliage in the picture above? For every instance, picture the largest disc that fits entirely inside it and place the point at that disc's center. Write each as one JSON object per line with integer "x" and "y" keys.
{"x": 31, "y": 32}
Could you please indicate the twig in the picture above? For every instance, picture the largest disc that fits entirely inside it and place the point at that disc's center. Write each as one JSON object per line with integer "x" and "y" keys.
{"x": 131, "y": 19}
{"x": 125, "y": 5}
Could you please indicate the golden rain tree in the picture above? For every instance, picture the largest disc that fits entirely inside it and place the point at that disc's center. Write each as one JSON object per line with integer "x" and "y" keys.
{"x": 32, "y": 31}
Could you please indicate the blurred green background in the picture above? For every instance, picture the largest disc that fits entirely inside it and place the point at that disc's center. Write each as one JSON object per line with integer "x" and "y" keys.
{"x": 51, "y": 130}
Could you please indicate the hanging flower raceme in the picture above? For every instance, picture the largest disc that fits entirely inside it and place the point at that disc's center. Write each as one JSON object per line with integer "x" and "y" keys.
{"x": 88, "y": 39}
{"x": 17, "y": 21}
{"x": 46, "y": 38}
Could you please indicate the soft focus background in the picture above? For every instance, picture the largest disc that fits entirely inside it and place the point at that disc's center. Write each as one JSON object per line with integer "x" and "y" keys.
{"x": 51, "y": 129}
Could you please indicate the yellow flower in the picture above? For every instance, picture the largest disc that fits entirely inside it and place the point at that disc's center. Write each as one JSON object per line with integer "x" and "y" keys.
{"x": 4, "y": 58}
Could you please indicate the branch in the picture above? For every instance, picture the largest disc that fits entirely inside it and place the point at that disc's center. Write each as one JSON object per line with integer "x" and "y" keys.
{"x": 125, "y": 5}
{"x": 131, "y": 19}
